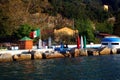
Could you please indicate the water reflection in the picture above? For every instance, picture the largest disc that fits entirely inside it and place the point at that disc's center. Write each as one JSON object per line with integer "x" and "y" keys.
{"x": 105, "y": 67}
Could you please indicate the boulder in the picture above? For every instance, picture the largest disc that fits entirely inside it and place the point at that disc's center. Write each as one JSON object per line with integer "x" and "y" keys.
{"x": 118, "y": 51}
{"x": 90, "y": 52}
{"x": 72, "y": 52}
{"x": 83, "y": 52}
{"x": 37, "y": 55}
{"x": 67, "y": 54}
{"x": 95, "y": 53}
{"x": 105, "y": 51}
{"x": 18, "y": 57}
{"x": 77, "y": 53}
{"x": 54, "y": 55}
{"x": 114, "y": 51}
{"x": 7, "y": 57}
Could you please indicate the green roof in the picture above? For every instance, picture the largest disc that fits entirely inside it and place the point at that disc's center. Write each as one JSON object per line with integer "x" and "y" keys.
{"x": 25, "y": 39}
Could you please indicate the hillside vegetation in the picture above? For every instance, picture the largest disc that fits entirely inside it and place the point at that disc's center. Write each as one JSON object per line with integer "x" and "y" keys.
{"x": 88, "y": 16}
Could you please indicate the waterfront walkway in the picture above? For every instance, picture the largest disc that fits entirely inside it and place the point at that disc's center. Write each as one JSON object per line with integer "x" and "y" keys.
{"x": 43, "y": 50}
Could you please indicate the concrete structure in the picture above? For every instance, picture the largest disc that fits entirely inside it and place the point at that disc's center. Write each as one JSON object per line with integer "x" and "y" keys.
{"x": 111, "y": 42}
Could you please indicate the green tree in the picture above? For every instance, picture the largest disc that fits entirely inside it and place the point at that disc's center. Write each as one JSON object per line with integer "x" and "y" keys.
{"x": 105, "y": 27}
{"x": 85, "y": 27}
{"x": 117, "y": 24}
{"x": 5, "y": 29}
{"x": 3, "y": 24}
{"x": 11, "y": 12}
{"x": 23, "y": 30}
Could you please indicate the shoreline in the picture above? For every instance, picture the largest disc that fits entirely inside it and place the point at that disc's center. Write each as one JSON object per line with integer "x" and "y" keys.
{"x": 51, "y": 53}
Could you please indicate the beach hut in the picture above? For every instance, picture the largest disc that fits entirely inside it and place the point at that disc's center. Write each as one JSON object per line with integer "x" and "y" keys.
{"x": 25, "y": 43}
{"x": 111, "y": 42}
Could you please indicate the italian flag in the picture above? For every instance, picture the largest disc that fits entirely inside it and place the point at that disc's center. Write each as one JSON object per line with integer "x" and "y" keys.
{"x": 35, "y": 33}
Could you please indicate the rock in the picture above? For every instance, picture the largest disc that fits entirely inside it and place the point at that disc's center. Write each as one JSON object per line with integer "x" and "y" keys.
{"x": 37, "y": 55}
{"x": 118, "y": 51}
{"x": 7, "y": 57}
{"x": 95, "y": 53}
{"x": 114, "y": 51}
{"x": 77, "y": 53}
{"x": 72, "y": 52}
{"x": 18, "y": 57}
{"x": 90, "y": 52}
{"x": 105, "y": 51}
{"x": 83, "y": 52}
{"x": 54, "y": 55}
{"x": 67, "y": 54}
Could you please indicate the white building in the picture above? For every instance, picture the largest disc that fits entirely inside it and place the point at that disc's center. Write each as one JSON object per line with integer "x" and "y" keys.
{"x": 111, "y": 42}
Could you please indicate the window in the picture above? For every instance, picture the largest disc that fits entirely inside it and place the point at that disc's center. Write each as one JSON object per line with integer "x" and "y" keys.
{"x": 115, "y": 43}
{"x": 104, "y": 43}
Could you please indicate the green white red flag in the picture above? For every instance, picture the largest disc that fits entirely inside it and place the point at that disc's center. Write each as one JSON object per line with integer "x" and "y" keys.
{"x": 35, "y": 33}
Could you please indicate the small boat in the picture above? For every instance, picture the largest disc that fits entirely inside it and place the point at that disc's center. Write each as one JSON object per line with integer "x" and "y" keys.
{"x": 111, "y": 42}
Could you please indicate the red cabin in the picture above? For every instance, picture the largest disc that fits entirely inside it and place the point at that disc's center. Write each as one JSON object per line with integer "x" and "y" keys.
{"x": 26, "y": 43}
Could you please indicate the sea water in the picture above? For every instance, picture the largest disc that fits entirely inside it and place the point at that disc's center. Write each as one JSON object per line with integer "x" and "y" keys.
{"x": 106, "y": 67}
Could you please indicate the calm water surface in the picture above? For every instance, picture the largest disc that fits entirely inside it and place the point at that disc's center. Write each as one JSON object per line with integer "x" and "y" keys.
{"x": 105, "y": 67}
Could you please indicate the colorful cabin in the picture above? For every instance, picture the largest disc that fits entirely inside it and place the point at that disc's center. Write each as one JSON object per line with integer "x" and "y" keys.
{"x": 111, "y": 42}
{"x": 26, "y": 43}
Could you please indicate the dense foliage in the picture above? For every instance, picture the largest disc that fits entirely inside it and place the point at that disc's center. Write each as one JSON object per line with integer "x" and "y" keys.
{"x": 117, "y": 24}
{"x": 85, "y": 29}
{"x": 88, "y": 15}
{"x": 23, "y": 30}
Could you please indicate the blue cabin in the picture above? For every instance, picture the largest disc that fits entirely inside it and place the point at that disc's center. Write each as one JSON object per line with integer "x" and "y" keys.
{"x": 111, "y": 42}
